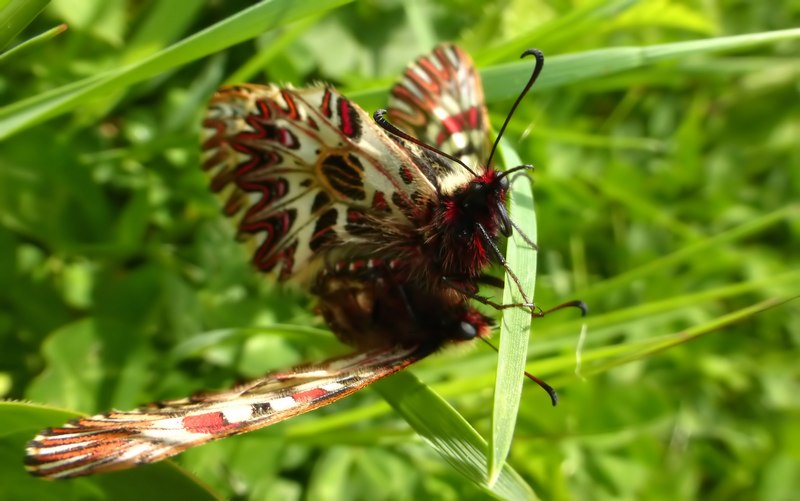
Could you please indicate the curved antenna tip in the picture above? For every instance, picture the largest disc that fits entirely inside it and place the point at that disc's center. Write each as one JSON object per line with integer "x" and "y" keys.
{"x": 537, "y": 68}
{"x": 532, "y": 52}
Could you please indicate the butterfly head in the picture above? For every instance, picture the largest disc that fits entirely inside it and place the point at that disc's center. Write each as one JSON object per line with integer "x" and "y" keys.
{"x": 481, "y": 201}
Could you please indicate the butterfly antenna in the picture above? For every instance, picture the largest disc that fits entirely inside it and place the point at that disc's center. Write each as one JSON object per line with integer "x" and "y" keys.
{"x": 577, "y": 303}
{"x": 516, "y": 170}
{"x": 546, "y": 387}
{"x": 380, "y": 119}
{"x": 536, "y": 70}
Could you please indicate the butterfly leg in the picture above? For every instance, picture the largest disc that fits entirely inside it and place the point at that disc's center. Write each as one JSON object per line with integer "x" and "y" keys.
{"x": 453, "y": 283}
{"x": 489, "y": 242}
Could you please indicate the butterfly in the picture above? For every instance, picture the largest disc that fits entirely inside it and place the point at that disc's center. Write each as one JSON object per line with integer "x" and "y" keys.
{"x": 390, "y": 223}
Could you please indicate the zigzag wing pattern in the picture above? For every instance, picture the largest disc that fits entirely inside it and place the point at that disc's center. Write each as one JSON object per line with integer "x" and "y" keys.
{"x": 295, "y": 167}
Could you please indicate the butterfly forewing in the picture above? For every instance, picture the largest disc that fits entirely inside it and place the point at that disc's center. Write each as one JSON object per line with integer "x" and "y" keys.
{"x": 439, "y": 100}
{"x": 119, "y": 440}
{"x": 296, "y": 167}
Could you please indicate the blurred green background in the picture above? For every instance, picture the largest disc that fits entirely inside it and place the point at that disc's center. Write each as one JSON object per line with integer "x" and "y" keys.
{"x": 667, "y": 195}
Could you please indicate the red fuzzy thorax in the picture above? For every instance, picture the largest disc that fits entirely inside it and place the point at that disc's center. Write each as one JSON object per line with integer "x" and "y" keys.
{"x": 452, "y": 235}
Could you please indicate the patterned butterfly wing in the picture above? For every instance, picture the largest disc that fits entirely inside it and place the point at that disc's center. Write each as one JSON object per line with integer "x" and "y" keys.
{"x": 298, "y": 167}
{"x": 439, "y": 100}
{"x": 120, "y": 440}
{"x": 314, "y": 183}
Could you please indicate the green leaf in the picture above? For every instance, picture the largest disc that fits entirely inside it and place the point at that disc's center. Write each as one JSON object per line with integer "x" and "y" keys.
{"x": 245, "y": 25}
{"x": 449, "y": 434}
{"x": 503, "y": 81}
{"x": 516, "y": 325}
{"x": 15, "y": 15}
{"x": 40, "y": 38}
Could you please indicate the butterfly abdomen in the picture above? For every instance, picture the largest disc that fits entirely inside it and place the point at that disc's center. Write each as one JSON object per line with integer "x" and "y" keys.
{"x": 375, "y": 303}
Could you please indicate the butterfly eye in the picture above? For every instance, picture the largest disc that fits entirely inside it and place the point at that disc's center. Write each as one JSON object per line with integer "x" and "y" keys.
{"x": 467, "y": 331}
{"x": 503, "y": 183}
{"x": 474, "y": 196}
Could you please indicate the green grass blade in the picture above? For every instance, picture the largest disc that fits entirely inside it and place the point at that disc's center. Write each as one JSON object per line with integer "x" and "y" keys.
{"x": 235, "y": 29}
{"x": 15, "y": 15}
{"x": 633, "y": 352}
{"x": 40, "y": 38}
{"x": 449, "y": 434}
{"x": 516, "y": 325}
{"x": 784, "y": 214}
{"x": 615, "y": 356}
{"x": 581, "y": 19}
{"x": 504, "y": 81}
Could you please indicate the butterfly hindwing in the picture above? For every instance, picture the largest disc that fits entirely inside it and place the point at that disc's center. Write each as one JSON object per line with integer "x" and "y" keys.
{"x": 439, "y": 100}
{"x": 120, "y": 440}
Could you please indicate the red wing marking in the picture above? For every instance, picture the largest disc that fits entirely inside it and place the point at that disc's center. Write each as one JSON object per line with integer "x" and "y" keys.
{"x": 349, "y": 121}
{"x": 280, "y": 159}
{"x": 119, "y": 440}
{"x": 439, "y": 100}
{"x": 379, "y": 202}
{"x": 310, "y": 395}
{"x": 213, "y": 422}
